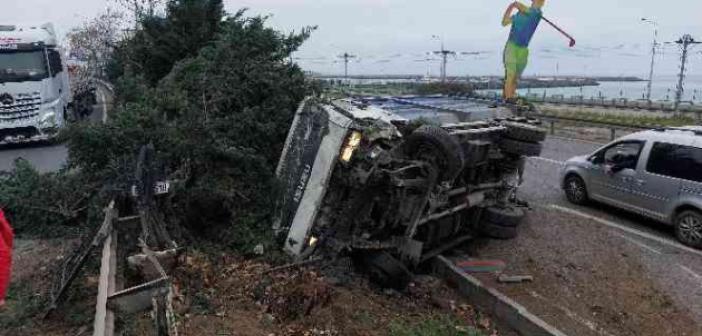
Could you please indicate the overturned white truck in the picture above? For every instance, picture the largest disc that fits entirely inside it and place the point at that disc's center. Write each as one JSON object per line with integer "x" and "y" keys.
{"x": 363, "y": 181}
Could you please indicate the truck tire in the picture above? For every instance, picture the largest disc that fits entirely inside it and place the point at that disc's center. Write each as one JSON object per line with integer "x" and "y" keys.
{"x": 520, "y": 147}
{"x": 524, "y": 132}
{"x": 433, "y": 141}
{"x": 509, "y": 216}
{"x": 497, "y": 231}
{"x": 384, "y": 270}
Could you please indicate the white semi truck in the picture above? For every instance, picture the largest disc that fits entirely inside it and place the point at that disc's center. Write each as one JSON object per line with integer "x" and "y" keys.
{"x": 35, "y": 93}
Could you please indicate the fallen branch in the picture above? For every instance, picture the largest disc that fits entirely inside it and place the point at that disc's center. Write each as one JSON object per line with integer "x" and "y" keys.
{"x": 292, "y": 265}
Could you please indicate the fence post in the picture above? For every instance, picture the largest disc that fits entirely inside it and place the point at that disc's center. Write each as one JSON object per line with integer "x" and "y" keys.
{"x": 553, "y": 127}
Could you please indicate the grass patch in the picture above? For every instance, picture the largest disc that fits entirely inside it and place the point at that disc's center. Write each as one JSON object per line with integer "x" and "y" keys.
{"x": 435, "y": 326}
{"x": 23, "y": 305}
{"x": 632, "y": 120}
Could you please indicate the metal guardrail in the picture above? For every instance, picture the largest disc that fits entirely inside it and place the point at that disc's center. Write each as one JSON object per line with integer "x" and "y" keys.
{"x": 613, "y": 103}
{"x": 613, "y": 127}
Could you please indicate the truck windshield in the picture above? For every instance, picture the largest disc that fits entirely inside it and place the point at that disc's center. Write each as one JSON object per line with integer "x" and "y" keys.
{"x": 19, "y": 66}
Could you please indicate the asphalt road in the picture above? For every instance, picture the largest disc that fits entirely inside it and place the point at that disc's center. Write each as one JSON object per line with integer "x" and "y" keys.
{"x": 676, "y": 268}
{"x": 45, "y": 157}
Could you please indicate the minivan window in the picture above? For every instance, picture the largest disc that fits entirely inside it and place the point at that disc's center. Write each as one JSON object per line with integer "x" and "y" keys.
{"x": 627, "y": 152}
{"x": 683, "y": 162}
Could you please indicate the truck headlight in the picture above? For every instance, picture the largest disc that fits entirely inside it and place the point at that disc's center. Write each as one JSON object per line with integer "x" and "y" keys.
{"x": 49, "y": 118}
{"x": 352, "y": 143}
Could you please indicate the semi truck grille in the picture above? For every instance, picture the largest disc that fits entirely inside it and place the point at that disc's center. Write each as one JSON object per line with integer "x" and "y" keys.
{"x": 23, "y": 106}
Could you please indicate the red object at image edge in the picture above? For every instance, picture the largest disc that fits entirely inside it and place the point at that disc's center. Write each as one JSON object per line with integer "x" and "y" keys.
{"x": 6, "y": 237}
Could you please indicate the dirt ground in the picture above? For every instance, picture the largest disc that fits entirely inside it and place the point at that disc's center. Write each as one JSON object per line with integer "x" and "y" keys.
{"x": 587, "y": 281}
{"x": 228, "y": 295}
{"x": 232, "y": 296}
{"x": 34, "y": 262}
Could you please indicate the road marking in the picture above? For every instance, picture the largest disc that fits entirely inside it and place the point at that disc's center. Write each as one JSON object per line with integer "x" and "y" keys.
{"x": 628, "y": 229}
{"x": 556, "y": 162}
{"x": 691, "y": 272}
{"x": 638, "y": 243}
{"x": 104, "y": 107}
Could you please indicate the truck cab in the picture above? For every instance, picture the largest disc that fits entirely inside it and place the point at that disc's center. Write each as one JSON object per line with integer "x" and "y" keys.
{"x": 34, "y": 85}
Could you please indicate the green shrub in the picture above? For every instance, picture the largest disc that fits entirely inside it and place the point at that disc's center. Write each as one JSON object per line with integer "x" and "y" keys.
{"x": 46, "y": 205}
{"x": 441, "y": 325}
{"x": 218, "y": 120}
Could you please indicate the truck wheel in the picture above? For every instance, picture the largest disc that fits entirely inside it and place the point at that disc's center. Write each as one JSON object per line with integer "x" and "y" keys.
{"x": 436, "y": 144}
{"x": 688, "y": 228}
{"x": 524, "y": 132}
{"x": 509, "y": 216}
{"x": 575, "y": 190}
{"x": 385, "y": 271}
{"x": 520, "y": 148}
{"x": 497, "y": 231}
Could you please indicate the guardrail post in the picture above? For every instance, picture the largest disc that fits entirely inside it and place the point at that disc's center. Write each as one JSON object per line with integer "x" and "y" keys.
{"x": 104, "y": 323}
{"x": 613, "y": 134}
{"x": 553, "y": 127}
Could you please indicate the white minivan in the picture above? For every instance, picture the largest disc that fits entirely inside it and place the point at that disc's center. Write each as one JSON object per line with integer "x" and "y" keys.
{"x": 656, "y": 173}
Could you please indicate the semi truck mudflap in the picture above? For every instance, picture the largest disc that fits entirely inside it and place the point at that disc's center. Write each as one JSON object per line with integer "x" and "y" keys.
{"x": 305, "y": 168}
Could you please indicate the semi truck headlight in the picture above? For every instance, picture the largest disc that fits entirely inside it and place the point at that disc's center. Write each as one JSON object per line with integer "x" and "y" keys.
{"x": 352, "y": 143}
{"x": 48, "y": 118}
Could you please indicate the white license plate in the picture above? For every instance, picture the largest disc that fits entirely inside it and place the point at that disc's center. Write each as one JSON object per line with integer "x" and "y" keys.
{"x": 160, "y": 188}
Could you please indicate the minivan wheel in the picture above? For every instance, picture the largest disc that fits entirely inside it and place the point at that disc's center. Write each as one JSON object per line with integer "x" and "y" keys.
{"x": 688, "y": 228}
{"x": 575, "y": 190}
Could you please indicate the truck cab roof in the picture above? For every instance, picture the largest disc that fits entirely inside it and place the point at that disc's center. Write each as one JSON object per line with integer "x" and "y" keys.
{"x": 27, "y": 35}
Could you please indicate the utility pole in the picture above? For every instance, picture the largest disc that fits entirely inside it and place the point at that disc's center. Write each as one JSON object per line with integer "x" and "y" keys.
{"x": 649, "y": 87}
{"x": 686, "y": 41}
{"x": 444, "y": 57}
{"x": 347, "y": 57}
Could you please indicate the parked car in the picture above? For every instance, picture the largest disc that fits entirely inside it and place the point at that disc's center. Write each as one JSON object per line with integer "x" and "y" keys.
{"x": 656, "y": 173}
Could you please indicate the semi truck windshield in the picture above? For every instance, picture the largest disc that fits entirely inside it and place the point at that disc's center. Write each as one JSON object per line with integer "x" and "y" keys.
{"x": 19, "y": 66}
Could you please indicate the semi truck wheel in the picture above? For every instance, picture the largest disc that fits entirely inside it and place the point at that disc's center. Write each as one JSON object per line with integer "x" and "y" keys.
{"x": 524, "y": 132}
{"x": 520, "y": 148}
{"x": 433, "y": 143}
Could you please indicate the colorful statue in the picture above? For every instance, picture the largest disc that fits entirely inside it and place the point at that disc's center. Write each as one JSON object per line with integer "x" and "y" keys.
{"x": 516, "y": 54}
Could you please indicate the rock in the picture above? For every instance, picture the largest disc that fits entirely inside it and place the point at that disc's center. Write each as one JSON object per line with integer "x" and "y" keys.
{"x": 141, "y": 264}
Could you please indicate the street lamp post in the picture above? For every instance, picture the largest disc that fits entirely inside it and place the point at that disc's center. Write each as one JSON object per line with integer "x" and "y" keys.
{"x": 653, "y": 56}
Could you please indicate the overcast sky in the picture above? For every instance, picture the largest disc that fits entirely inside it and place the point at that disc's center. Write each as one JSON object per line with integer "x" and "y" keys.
{"x": 394, "y": 36}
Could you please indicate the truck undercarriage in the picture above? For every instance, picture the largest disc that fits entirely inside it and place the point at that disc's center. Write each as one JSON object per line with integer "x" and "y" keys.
{"x": 399, "y": 193}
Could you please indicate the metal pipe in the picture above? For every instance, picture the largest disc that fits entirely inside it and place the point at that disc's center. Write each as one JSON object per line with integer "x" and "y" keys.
{"x": 470, "y": 201}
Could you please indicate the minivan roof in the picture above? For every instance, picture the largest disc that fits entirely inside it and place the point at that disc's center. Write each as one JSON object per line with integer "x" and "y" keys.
{"x": 687, "y": 135}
